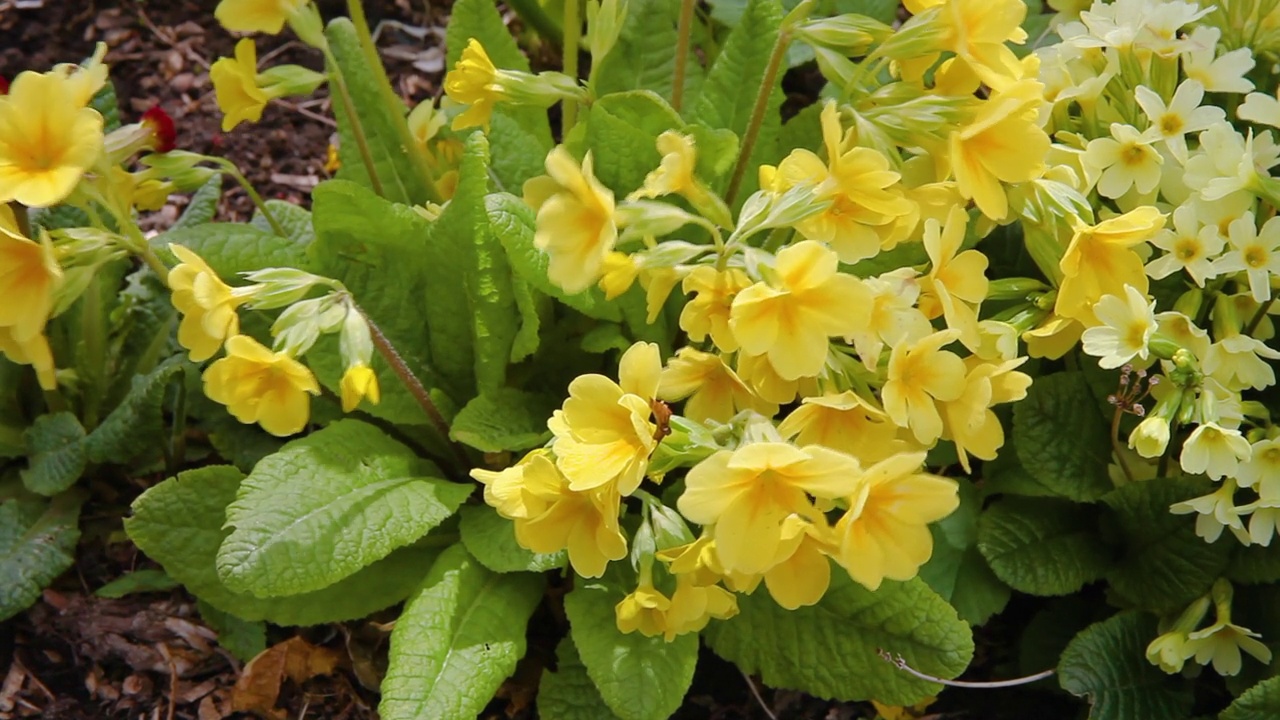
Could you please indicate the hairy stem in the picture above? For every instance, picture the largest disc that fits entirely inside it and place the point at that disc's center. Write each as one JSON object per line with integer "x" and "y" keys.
{"x": 339, "y": 83}
{"x": 531, "y": 12}
{"x": 1115, "y": 443}
{"x": 572, "y": 32}
{"x": 684, "y": 29}
{"x": 230, "y": 168}
{"x": 757, "y": 114}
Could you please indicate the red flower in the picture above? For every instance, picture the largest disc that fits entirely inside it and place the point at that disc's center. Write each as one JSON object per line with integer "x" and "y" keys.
{"x": 161, "y": 126}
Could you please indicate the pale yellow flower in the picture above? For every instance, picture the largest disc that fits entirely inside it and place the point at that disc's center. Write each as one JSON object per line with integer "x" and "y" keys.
{"x": 235, "y": 84}
{"x": 846, "y": 422}
{"x": 1001, "y": 144}
{"x": 261, "y": 386}
{"x": 1101, "y": 261}
{"x": 264, "y": 16}
{"x": 575, "y": 222}
{"x": 712, "y": 389}
{"x": 978, "y": 31}
{"x": 957, "y": 283}
{"x": 707, "y": 312}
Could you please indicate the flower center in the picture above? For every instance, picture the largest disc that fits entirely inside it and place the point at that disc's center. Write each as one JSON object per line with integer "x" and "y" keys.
{"x": 1255, "y": 257}
{"x": 1171, "y": 124}
{"x": 1187, "y": 249}
{"x": 1136, "y": 336}
{"x": 1133, "y": 154}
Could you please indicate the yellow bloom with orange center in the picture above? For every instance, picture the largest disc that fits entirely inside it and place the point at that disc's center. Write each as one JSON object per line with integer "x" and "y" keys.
{"x": 235, "y": 84}
{"x": 474, "y": 81}
{"x": 207, "y": 304}
{"x": 807, "y": 301}
{"x": 977, "y": 30}
{"x": 707, "y": 312}
{"x": 957, "y": 282}
{"x": 714, "y": 391}
{"x": 846, "y": 422}
{"x": 885, "y": 532}
{"x": 1101, "y": 261}
{"x": 748, "y": 493}
{"x": 1001, "y": 144}
{"x": 264, "y": 16}
{"x": 261, "y": 386}
{"x": 604, "y": 432}
{"x": 48, "y": 139}
{"x": 359, "y": 382}
{"x": 575, "y": 224}
{"x": 920, "y": 375}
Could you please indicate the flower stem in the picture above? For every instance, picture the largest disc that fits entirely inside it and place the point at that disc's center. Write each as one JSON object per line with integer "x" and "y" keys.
{"x": 1115, "y": 443}
{"x": 339, "y": 83}
{"x": 20, "y": 214}
{"x": 1165, "y": 458}
{"x": 572, "y": 31}
{"x": 901, "y": 664}
{"x": 230, "y": 168}
{"x": 757, "y": 113}
{"x": 1256, "y": 320}
{"x": 683, "y": 30}
{"x": 531, "y": 12}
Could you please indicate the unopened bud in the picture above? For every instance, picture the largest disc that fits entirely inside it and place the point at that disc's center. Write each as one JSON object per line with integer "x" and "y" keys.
{"x": 850, "y": 34}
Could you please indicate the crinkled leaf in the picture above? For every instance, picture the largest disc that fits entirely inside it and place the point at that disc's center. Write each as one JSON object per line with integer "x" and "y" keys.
{"x": 459, "y": 637}
{"x": 203, "y": 204}
{"x": 142, "y": 331}
{"x": 1061, "y": 439}
{"x": 956, "y": 570}
{"x": 644, "y": 57}
{"x": 138, "y": 581}
{"x": 567, "y": 692}
{"x": 1042, "y": 546}
{"x": 621, "y": 133}
{"x": 639, "y": 678}
{"x": 504, "y": 419}
{"x": 134, "y": 425}
{"x": 55, "y": 452}
{"x": 831, "y": 649}
{"x": 491, "y": 539}
{"x": 1260, "y": 702}
{"x": 328, "y": 505}
{"x": 293, "y": 219}
{"x": 180, "y": 524}
{"x": 105, "y": 102}
{"x": 37, "y": 544}
{"x": 518, "y": 151}
{"x": 1107, "y": 662}
{"x": 1255, "y": 564}
{"x": 1165, "y": 565}
{"x": 245, "y": 639}
{"x": 233, "y": 248}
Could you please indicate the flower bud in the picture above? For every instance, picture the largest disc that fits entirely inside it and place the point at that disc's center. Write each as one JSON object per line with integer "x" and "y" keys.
{"x": 280, "y": 286}
{"x": 850, "y": 34}
{"x": 285, "y": 80}
{"x": 355, "y": 341}
{"x": 306, "y": 23}
{"x": 1151, "y": 437}
{"x": 604, "y": 25}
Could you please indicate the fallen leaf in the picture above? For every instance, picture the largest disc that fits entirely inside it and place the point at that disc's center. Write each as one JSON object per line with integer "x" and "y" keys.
{"x": 258, "y": 686}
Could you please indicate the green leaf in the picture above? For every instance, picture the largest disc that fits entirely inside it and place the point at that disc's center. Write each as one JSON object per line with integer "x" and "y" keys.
{"x": 132, "y": 428}
{"x": 520, "y": 146}
{"x": 293, "y": 219}
{"x": 1260, "y": 702}
{"x": 397, "y": 158}
{"x": 1165, "y": 565}
{"x": 233, "y": 248}
{"x": 831, "y": 649}
{"x": 1042, "y": 546}
{"x": 37, "y": 544}
{"x": 956, "y": 570}
{"x": 1061, "y": 439}
{"x": 1255, "y": 564}
{"x": 245, "y": 639}
{"x": 56, "y": 455}
{"x": 491, "y": 539}
{"x": 328, "y": 505}
{"x": 138, "y": 581}
{"x": 141, "y": 331}
{"x": 1107, "y": 662}
{"x": 241, "y": 445}
{"x": 644, "y": 57}
{"x": 513, "y": 224}
{"x": 621, "y": 133}
{"x": 504, "y": 419}
{"x": 179, "y": 524}
{"x": 459, "y": 637}
{"x": 104, "y": 101}
{"x": 639, "y": 678}
{"x": 58, "y": 217}
{"x": 567, "y": 692}
{"x": 203, "y": 205}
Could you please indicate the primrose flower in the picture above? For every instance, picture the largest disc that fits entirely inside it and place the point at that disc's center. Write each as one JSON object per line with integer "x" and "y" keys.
{"x": 584, "y": 523}
{"x": 207, "y": 304}
{"x": 359, "y": 382}
{"x": 1262, "y": 469}
{"x": 1261, "y": 108}
{"x": 707, "y": 312}
{"x": 694, "y": 605}
{"x": 885, "y": 532}
{"x": 1100, "y": 261}
{"x": 575, "y": 222}
{"x": 1171, "y": 650}
{"x": 1214, "y": 450}
{"x": 977, "y": 32}
{"x": 235, "y": 83}
{"x": 1221, "y": 644}
{"x": 714, "y": 391}
{"x": 644, "y": 609}
{"x": 1189, "y": 246}
{"x": 1217, "y": 73}
{"x": 1214, "y": 512}
{"x": 1002, "y": 143}
{"x": 759, "y": 375}
{"x": 1182, "y": 115}
{"x": 1254, "y": 252}
{"x": 48, "y": 139}
{"x": 603, "y": 433}
{"x": 957, "y": 281}
{"x": 807, "y": 301}
{"x": 1126, "y": 159}
{"x": 968, "y": 420}
{"x": 746, "y": 494}
{"x": 29, "y": 275}
{"x": 894, "y": 316}
{"x": 1150, "y": 437}
{"x": 1127, "y": 325}
{"x": 258, "y": 385}
{"x": 474, "y": 81}
{"x": 264, "y": 16}
{"x": 845, "y": 422}
{"x": 801, "y": 572}
{"x": 1236, "y": 362}
{"x": 920, "y": 375}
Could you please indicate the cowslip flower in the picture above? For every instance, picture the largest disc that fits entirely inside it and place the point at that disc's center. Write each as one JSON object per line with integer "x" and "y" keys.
{"x": 235, "y": 84}
{"x": 714, "y": 391}
{"x": 261, "y": 386}
{"x": 885, "y": 532}
{"x": 48, "y": 139}
{"x": 1101, "y": 261}
{"x": 575, "y": 222}
{"x": 264, "y": 16}
{"x": 1171, "y": 650}
{"x": 1182, "y": 115}
{"x": 1253, "y": 252}
{"x": 1127, "y": 325}
{"x": 1002, "y": 143}
{"x": 474, "y": 81}
{"x": 693, "y": 606}
{"x": 746, "y": 494}
{"x": 790, "y": 318}
{"x": 1217, "y": 73}
{"x": 207, "y": 304}
{"x": 1126, "y": 159}
{"x": 977, "y": 32}
{"x": 920, "y": 375}
{"x": 1221, "y": 643}
{"x": 1214, "y": 450}
{"x": 1189, "y": 246}
{"x": 359, "y": 382}
{"x": 846, "y": 422}
{"x": 1214, "y": 513}
{"x": 1150, "y": 438}
{"x": 707, "y": 312}
{"x": 1237, "y": 362}
{"x": 1262, "y": 469}
{"x": 604, "y": 432}
{"x": 957, "y": 281}
{"x": 643, "y": 609}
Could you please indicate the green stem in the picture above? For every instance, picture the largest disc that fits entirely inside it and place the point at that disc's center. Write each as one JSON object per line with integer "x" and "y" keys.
{"x": 757, "y": 114}
{"x": 683, "y": 31}
{"x": 20, "y": 214}
{"x": 94, "y": 333}
{"x": 339, "y": 83}
{"x": 1256, "y": 320}
{"x": 1163, "y": 468}
{"x": 355, "y": 11}
{"x": 572, "y": 32}
{"x": 176, "y": 450}
{"x": 143, "y": 249}
{"x": 1115, "y": 443}
{"x": 531, "y": 12}
{"x": 230, "y": 168}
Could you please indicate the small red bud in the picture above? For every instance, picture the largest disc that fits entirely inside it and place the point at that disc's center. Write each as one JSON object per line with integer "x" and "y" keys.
{"x": 4, "y": 85}
{"x": 162, "y": 127}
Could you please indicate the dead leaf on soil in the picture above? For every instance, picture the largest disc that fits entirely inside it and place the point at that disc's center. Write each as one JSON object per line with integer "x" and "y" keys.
{"x": 258, "y": 687}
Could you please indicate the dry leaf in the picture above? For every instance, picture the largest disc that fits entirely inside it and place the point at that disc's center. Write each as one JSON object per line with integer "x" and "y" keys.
{"x": 258, "y": 686}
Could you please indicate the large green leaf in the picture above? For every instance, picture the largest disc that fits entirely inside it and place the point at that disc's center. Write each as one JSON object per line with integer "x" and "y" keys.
{"x": 459, "y": 637}
{"x": 1255, "y": 564}
{"x": 956, "y": 570}
{"x": 132, "y": 428}
{"x": 293, "y": 219}
{"x": 55, "y": 452}
{"x": 504, "y": 419}
{"x": 567, "y": 692}
{"x": 1061, "y": 439}
{"x": 328, "y": 505}
{"x": 644, "y": 57}
{"x": 203, "y": 205}
{"x": 832, "y": 649}
{"x": 1042, "y": 546}
{"x": 639, "y": 678}
{"x": 243, "y": 638}
{"x": 1107, "y": 662}
{"x": 37, "y": 544}
{"x": 141, "y": 331}
{"x": 1165, "y": 565}
{"x": 491, "y": 539}
{"x": 1260, "y": 702}
{"x": 621, "y": 133}
{"x": 233, "y": 248}
{"x": 180, "y": 524}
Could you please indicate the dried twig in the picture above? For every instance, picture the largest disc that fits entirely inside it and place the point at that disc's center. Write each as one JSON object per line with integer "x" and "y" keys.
{"x": 759, "y": 698}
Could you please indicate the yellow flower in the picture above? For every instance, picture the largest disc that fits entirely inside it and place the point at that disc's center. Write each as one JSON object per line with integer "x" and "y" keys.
{"x": 707, "y": 313}
{"x": 264, "y": 16}
{"x": 977, "y": 30}
{"x": 575, "y": 223}
{"x": 1053, "y": 338}
{"x": 1101, "y": 261}
{"x": 968, "y": 420}
{"x": 207, "y": 304}
{"x": 33, "y": 351}
{"x": 957, "y": 282}
{"x": 920, "y": 374}
{"x": 618, "y": 273}
{"x": 359, "y": 382}
{"x": 474, "y": 81}
{"x": 235, "y": 83}
{"x": 801, "y": 572}
{"x": 748, "y": 493}
{"x": 893, "y": 315}
{"x": 258, "y": 385}
{"x": 29, "y": 274}
{"x": 845, "y": 422}
{"x": 790, "y": 319}
{"x": 674, "y": 176}
{"x": 694, "y": 605}
{"x": 603, "y": 433}
{"x": 867, "y": 200}
{"x": 48, "y": 139}
{"x": 1002, "y": 143}
{"x": 759, "y": 375}
{"x": 885, "y": 532}
{"x": 644, "y": 609}
{"x": 584, "y": 523}
{"x": 523, "y": 490}
{"x": 713, "y": 390}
